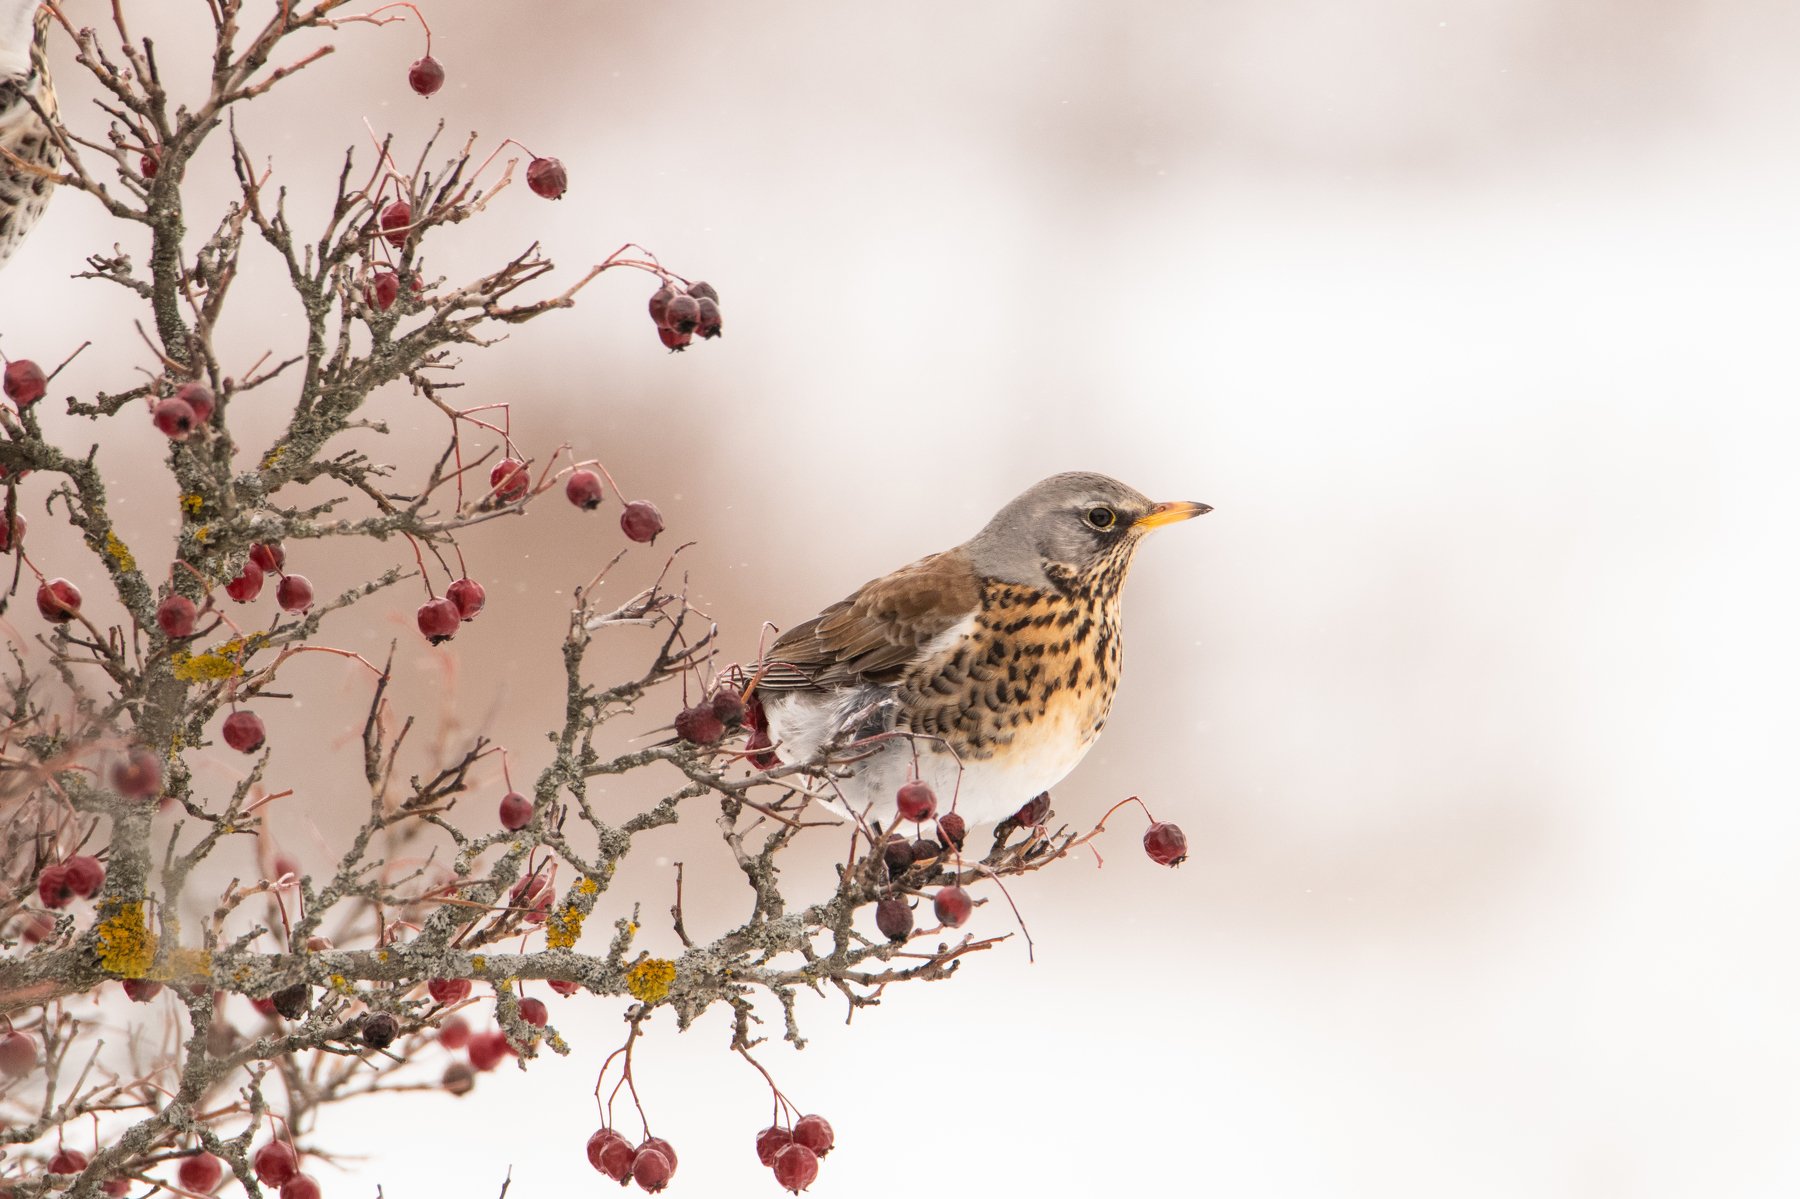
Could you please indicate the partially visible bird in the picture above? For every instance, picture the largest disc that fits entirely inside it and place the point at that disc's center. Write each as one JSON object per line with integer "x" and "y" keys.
{"x": 24, "y": 137}
{"x": 996, "y": 661}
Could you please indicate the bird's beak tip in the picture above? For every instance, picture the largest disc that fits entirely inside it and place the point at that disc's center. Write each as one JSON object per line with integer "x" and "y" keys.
{"x": 1170, "y": 513}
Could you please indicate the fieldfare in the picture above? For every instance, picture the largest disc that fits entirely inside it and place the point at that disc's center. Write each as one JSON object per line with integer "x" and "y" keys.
{"x": 986, "y": 671}
{"x": 28, "y": 151}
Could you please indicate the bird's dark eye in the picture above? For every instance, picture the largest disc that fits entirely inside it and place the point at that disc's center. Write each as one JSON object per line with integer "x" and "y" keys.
{"x": 1102, "y": 518}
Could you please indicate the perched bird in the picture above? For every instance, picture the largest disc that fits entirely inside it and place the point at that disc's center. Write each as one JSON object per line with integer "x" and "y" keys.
{"x": 992, "y": 664}
{"x": 24, "y": 137}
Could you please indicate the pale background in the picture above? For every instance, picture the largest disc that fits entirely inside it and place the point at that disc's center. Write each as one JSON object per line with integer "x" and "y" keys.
{"x": 1474, "y": 322}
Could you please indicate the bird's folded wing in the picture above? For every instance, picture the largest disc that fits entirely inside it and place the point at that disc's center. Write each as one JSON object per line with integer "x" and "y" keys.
{"x": 879, "y": 631}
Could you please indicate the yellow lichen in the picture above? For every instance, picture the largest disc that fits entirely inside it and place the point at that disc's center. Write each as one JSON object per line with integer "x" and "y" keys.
{"x": 116, "y": 550}
{"x": 564, "y": 926}
{"x": 478, "y": 963}
{"x": 649, "y": 980}
{"x": 192, "y": 503}
{"x": 126, "y": 945}
{"x": 587, "y": 886}
{"x": 273, "y": 456}
{"x": 202, "y": 533}
{"x": 221, "y": 662}
{"x": 340, "y": 984}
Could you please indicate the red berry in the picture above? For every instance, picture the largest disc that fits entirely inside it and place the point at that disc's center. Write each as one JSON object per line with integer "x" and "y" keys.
{"x": 683, "y": 314}
{"x": 953, "y": 829}
{"x": 728, "y": 706}
{"x": 425, "y": 76}
{"x": 35, "y": 926}
{"x": 703, "y": 291}
{"x": 294, "y": 593}
{"x": 11, "y": 535}
{"x": 663, "y": 1147}
{"x": 952, "y": 905}
{"x": 894, "y": 917}
{"x": 584, "y": 490}
{"x": 795, "y": 1167}
{"x": 85, "y": 875}
{"x": 770, "y": 1141}
{"x": 384, "y": 289}
{"x": 141, "y": 990}
{"x": 711, "y": 322}
{"x": 300, "y": 1186}
{"x": 488, "y": 1049}
{"x": 533, "y": 1012}
{"x": 515, "y": 811}
{"x": 53, "y": 887}
{"x": 136, "y": 774}
{"x": 271, "y": 556}
{"x": 563, "y": 987}
{"x": 641, "y": 521}
{"x": 248, "y": 583}
{"x": 174, "y": 418}
{"x": 394, "y": 221}
{"x": 244, "y": 732}
{"x": 18, "y": 1054}
{"x": 438, "y": 619}
{"x": 264, "y": 1005}
{"x": 611, "y": 1154}
{"x": 275, "y": 1163}
{"x": 699, "y": 725}
{"x": 468, "y": 596}
{"x": 674, "y": 340}
{"x": 24, "y": 382}
{"x": 116, "y": 1188}
{"x": 916, "y": 800}
{"x": 510, "y": 480}
{"x": 650, "y": 1169}
{"x": 200, "y": 1173}
{"x": 1035, "y": 811}
{"x": 547, "y": 178}
{"x": 176, "y": 617}
{"x": 815, "y": 1133}
{"x": 58, "y": 601}
{"x": 148, "y": 165}
{"x": 454, "y": 1033}
{"x": 199, "y": 397}
{"x": 69, "y": 1161}
{"x": 659, "y": 305}
{"x": 1166, "y": 844}
{"x": 449, "y": 990}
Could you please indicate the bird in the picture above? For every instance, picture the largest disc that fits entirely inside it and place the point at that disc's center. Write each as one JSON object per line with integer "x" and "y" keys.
{"x": 986, "y": 671}
{"x": 25, "y": 138}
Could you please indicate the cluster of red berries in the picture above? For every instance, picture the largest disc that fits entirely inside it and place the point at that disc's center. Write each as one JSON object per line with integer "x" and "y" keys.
{"x": 707, "y": 722}
{"x": 190, "y": 408}
{"x": 794, "y": 1154}
{"x": 485, "y": 1049}
{"x": 278, "y": 1166}
{"x": 650, "y": 1164}
{"x": 80, "y": 877}
{"x": 680, "y": 314}
{"x": 294, "y": 593}
{"x": 440, "y": 616}
{"x": 952, "y": 905}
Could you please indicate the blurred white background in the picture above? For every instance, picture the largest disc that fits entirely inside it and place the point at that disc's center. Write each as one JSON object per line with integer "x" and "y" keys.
{"x": 1473, "y": 320}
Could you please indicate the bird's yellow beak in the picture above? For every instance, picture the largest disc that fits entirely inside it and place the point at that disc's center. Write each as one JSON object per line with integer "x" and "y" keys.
{"x": 1169, "y": 513}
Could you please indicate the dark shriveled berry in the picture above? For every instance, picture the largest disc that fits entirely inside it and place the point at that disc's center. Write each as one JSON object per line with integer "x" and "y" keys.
{"x": 710, "y": 323}
{"x": 659, "y": 305}
{"x": 244, "y": 731}
{"x": 926, "y": 850}
{"x": 894, "y": 917}
{"x": 611, "y": 1154}
{"x": 641, "y": 521}
{"x": 703, "y": 291}
{"x": 24, "y": 382}
{"x": 815, "y": 1133}
{"x": 699, "y": 725}
{"x": 547, "y": 178}
{"x": 1166, "y": 844}
{"x": 675, "y": 342}
{"x": 469, "y": 597}
{"x": 584, "y": 490}
{"x": 1034, "y": 812}
{"x": 292, "y": 1002}
{"x": 425, "y": 76}
{"x": 199, "y": 397}
{"x": 58, "y": 601}
{"x": 176, "y": 616}
{"x": 379, "y": 1030}
{"x": 247, "y": 585}
{"x": 916, "y": 801}
{"x": 770, "y": 1141}
{"x": 953, "y": 829}
{"x": 515, "y": 811}
{"x": 796, "y": 1167}
{"x": 438, "y": 620}
{"x": 275, "y": 1163}
{"x": 459, "y": 1079}
{"x": 683, "y": 314}
{"x": 898, "y": 854}
{"x": 952, "y": 905}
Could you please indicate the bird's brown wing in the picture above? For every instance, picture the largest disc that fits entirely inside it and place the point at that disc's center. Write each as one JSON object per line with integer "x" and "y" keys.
{"x": 878, "y": 631}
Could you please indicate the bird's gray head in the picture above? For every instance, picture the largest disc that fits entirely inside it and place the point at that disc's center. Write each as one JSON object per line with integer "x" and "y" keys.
{"x": 1076, "y": 520}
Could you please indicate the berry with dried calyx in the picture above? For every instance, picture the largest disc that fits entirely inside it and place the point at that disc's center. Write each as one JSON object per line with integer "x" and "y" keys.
{"x": 953, "y": 829}
{"x": 141, "y": 990}
{"x": 1034, "y": 812}
{"x": 682, "y": 314}
{"x": 395, "y": 219}
{"x": 18, "y": 1054}
{"x": 952, "y": 905}
{"x": 894, "y": 917}
{"x": 454, "y": 1033}
{"x": 815, "y": 1133}
{"x": 269, "y": 556}
{"x": 469, "y": 597}
{"x": 611, "y": 1154}
{"x": 243, "y": 731}
{"x": 449, "y": 990}
{"x": 515, "y": 811}
{"x": 711, "y": 323}
{"x": 425, "y": 76}
{"x": 673, "y": 340}
{"x": 11, "y": 535}
{"x": 174, "y": 418}
{"x": 300, "y": 1186}
{"x": 925, "y": 851}
{"x": 384, "y": 289}
{"x": 24, "y": 382}
{"x": 770, "y": 1141}
{"x": 67, "y": 1161}
{"x": 658, "y": 1145}
{"x": 53, "y": 887}
{"x": 651, "y": 1170}
{"x": 699, "y": 725}
{"x": 488, "y": 1049}
{"x": 584, "y": 490}
{"x": 898, "y": 854}
{"x": 728, "y": 706}
{"x": 85, "y": 875}
{"x": 248, "y": 583}
{"x": 275, "y": 1163}
{"x": 294, "y": 593}
{"x": 438, "y": 620}
{"x": 200, "y": 1173}
{"x": 58, "y": 601}
{"x": 547, "y": 178}
{"x": 659, "y": 305}
{"x": 916, "y": 800}
{"x": 533, "y": 1012}
{"x": 641, "y": 521}
{"x": 703, "y": 291}
{"x": 379, "y": 1030}
{"x": 199, "y": 397}
{"x": 796, "y": 1167}
{"x": 176, "y": 616}
{"x": 292, "y": 1002}
{"x": 1166, "y": 844}
{"x": 136, "y": 773}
